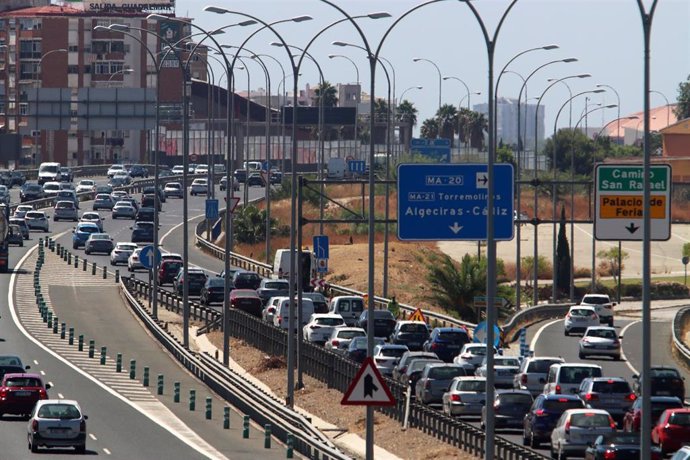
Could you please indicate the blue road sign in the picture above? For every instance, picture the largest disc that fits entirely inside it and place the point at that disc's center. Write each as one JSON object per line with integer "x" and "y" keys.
{"x": 435, "y": 148}
{"x": 479, "y": 335}
{"x": 215, "y": 230}
{"x": 357, "y": 166}
{"x": 146, "y": 257}
{"x": 321, "y": 246}
{"x": 449, "y": 202}
{"x": 211, "y": 208}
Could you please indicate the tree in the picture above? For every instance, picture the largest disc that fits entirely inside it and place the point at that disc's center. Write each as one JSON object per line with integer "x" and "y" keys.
{"x": 406, "y": 113}
{"x": 478, "y": 124}
{"x": 504, "y": 154}
{"x": 250, "y": 225}
{"x": 609, "y": 266}
{"x": 429, "y": 129}
{"x": 563, "y": 258}
{"x": 686, "y": 250}
{"x": 330, "y": 95}
{"x": 447, "y": 119}
{"x": 682, "y": 109}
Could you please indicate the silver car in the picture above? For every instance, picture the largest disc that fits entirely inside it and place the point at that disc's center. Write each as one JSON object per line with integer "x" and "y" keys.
{"x": 103, "y": 201}
{"x": 65, "y": 210}
{"x": 57, "y": 423}
{"x": 577, "y": 428}
{"x": 505, "y": 368}
{"x": 435, "y": 380}
{"x": 465, "y": 396}
{"x": 612, "y": 394}
{"x": 121, "y": 253}
{"x": 94, "y": 218}
{"x": 532, "y": 373}
{"x": 342, "y": 336}
{"x": 36, "y": 220}
{"x": 387, "y": 356}
{"x": 123, "y": 209}
{"x": 600, "y": 341}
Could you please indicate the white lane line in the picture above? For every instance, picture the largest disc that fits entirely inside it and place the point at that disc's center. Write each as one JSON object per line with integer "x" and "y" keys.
{"x": 61, "y": 396}
{"x": 533, "y": 343}
{"x": 91, "y": 435}
{"x": 106, "y": 451}
{"x": 167, "y": 234}
{"x": 630, "y": 366}
{"x": 35, "y": 362}
{"x": 42, "y": 373}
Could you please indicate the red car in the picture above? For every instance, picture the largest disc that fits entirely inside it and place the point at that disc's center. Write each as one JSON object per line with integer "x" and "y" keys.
{"x": 246, "y": 300}
{"x": 19, "y": 393}
{"x": 633, "y": 418}
{"x": 672, "y": 431}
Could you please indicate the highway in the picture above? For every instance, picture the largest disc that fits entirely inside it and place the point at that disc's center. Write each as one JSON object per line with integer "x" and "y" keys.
{"x": 117, "y": 428}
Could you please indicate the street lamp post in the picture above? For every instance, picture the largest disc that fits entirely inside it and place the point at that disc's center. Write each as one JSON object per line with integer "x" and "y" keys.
{"x": 467, "y": 89}
{"x": 668, "y": 105}
{"x": 357, "y": 99}
{"x": 402, "y": 98}
{"x": 38, "y": 153}
{"x": 440, "y": 77}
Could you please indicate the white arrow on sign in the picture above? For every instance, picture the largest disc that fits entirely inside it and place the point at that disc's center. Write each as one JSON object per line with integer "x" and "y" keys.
{"x": 455, "y": 228}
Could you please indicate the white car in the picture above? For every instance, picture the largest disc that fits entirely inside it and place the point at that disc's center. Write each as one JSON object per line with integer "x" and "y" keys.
{"x": 114, "y": 169}
{"x": 577, "y": 428}
{"x": 21, "y": 210}
{"x": 201, "y": 169}
{"x": 86, "y": 185}
{"x": 93, "y": 217}
{"x": 387, "y": 356}
{"x": 342, "y": 336}
{"x": 199, "y": 186}
{"x": 121, "y": 253}
{"x": 51, "y": 189}
{"x": 118, "y": 195}
{"x": 602, "y": 305}
{"x": 134, "y": 262}
{"x": 505, "y": 368}
{"x": 320, "y": 327}
{"x": 471, "y": 353}
{"x": 57, "y": 423}
{"x": 600, "y": 341}
{"x": 579, "y": 318}
{"x": 36, "y": 220}
{"x": 173, "y": 189}
{"x": 178, "y": 170}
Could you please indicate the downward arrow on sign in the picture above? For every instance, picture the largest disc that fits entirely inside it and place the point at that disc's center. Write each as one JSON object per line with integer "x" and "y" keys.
{"x": 631, "y": 228}
{"x": 455, "y": 228}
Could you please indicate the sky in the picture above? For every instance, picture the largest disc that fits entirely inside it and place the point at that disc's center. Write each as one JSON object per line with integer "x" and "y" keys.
{"x": 604, "y": 35}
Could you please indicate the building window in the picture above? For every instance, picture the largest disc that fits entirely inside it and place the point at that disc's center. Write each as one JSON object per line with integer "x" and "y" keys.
{"x": 117, "y": 47}
{"x": 99, "y": 47}
{"x": 28, "y": 70}
{"x": 103, "y": 22}
{"x": 29, "y": 24}
{"x": 72, "y": 69}
{"x": 87, "y": 69}
{"x": 73, "y": 49}
{"x": 116, "y": 67}
{"x": 30, "y": 49}
{"x": 101, "y": 68}
{"x": 23, "y": 108}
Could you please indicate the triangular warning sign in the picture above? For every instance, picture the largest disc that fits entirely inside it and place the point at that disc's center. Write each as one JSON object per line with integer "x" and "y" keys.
{"x": 368, "y": 388}
{"x": 417, "y": 316}
{"x": 234, "y": 202}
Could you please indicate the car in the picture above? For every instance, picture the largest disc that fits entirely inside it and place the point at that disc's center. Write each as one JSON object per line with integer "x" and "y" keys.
{"x": 246, "y": 300}
{"x": 4, "y": 194}
{"x": 201, "y": 169}
{"x": 505, "y": 368}
{"x": 387, "y": 356}
{"x": 139, "y": 171}
{"x": 171, "y": 256}
{"x": 148, "y": 200}
{"x": 613, "y": 394}
{"x": 213, "y": 290}
{"x": 600, "y": 341}
{"x": 30, "y": 192}
{"x": 173, "y": 189}
{"x": 13, "y": 360}
{"x": 164, "y": 173}
{"x": 240, "y": 175}
{"x": 81, "y": 233}
{"x": 276, "y": 176}
{"x": 666, "y": 381}
{"x": 602, "y": 305}
{"x": 19, "y": 393}
{"x": 66, "y": 174}
{"x": 14, "y": 235}
{"x": 121, "y": 252}
{"x": 123, "y": 176}
{"x": 17, "y": 178}
{"x": 103, "y": 201}
{"x": 118, "y": 195}
{"x": 472, "y": 353}
{"x": 197, "y": 279}
{"x": 408, "y": 357}
{"x": 350, "y": 307}
{"x": 577, "y": 428}
{"x": 23, "y": 228}
{"x": 542, "y": 417}
{"x": 357, "y": 349}
{"x": 57, "y": 423}
{"x": 532, "y": 373}
{"x": 384, "y": 322}
{"x": 579, "y": 318}
{"x": 151, "y": 190}
{"x": 5, "y": 178}
{"x": 168, "y": 270}
{"x": 633, "y": 418}
{"x": 672, "y": 430}
{"x": 682, "y": 454}
{"x": 243, "y": 279}
{"x": 104, "y": 188}
{"x": 67, "y": 186}
{"x": 93, "y": 217}
{"x": 446, "y": 342}
{"x": 510, "y": 408}
{"x": 21, "y": 210}
{"x": 65, "y": 210}
{"x": 99, "y": 242}
{"x": 134, "y": 260}
{"x": 199, "y": 186}
{"x": 255, "y": 179}
{"x": 142, "y": 232}
{"x": 224, "y": 184}
{"x": 218, "y": 168}
{"x": 178, "y": 170}
{"x": 273, "y": 288}
{"x": 37, "y": 220}
{"x": 465, "y": 396}
{"x": 145, "y": 214}
{"x": 115, "y": 168}
{"x": 270, "y": 307}
{"x": 319, "y": 300}
{"x": 413, "y": 372}
{"x": 50, "y": 189}
{"x": 340, "y": 338}
{"x": 123, "y": 209}
{"x": 566, "y": 378}
{"x": 619, "y": 446}
{"x": 281, "y": 317}
{"x": 413, "y": 334}
{"x": 435, "y": 380}
{"x": 67, "y": 195}
{"x": 86, "y": 185}
{"x": 320, "y": 327}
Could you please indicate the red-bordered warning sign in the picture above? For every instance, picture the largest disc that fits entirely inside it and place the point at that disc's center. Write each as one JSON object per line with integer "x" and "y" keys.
{"x": 368, "y": 388}
{"x": 417, "y": 315}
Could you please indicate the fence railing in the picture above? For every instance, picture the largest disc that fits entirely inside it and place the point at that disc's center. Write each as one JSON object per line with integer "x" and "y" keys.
{"x": 679, "y": 325}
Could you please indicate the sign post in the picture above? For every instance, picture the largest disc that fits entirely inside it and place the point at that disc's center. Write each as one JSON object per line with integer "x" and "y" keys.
{"x": 368, "y": 388}
{"x": 618, "y": 202}
{"x": 685, "y": 261}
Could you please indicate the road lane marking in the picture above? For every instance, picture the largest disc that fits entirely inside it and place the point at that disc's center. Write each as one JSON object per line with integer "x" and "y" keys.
{"x": 106, "y": 451}
{"x": 42, "y": 373}
{"x": 91, "y": 435}
{"x": 630, "y": 366}
{"x": 61, "y": 396}
{"x": 35, "y": 362}
{"x": 533, "y": 343}
{"x": 167, "y": 234}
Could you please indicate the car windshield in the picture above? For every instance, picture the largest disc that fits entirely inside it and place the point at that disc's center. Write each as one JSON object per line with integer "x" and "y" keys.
{"x": 329, "y": 321}
{"x": 446, "y": 372}
{"x": 212, "y": 282}
{"x": 414, "y": 328}
{"x": 664, "y": 373}
{"x": 471, "y": 385}
{"x": 680, "y": 418}
{"x": 64, "y": 205}
{"x": 10, "y": 361}
{"x": 59, "y": 411}
{"x": 100, "y": 236}
{"x": 611, "y": 386}
{"x": 659, "y": 406}
{"x": 23, "y": 382}
{"x": 51, "y": 187}
{"x": 87, "y": 229}
{"x": 580, "y": 312}
{"x": 34, "y": 215}
{"x": 102, "y": 196}
{"x": 393, "y": 352}
{"x": 350, "y": 334}
{"x": 515, "y": 398}
{"x": 541, "y": 366}
{"x": 562, "y": 404}
{"x": 481, "y": 351}
{"x": 589, "y": 419}
{"x": 578, "y": 374}
{"x": 359, "y": 343}
{"x": 419, "y": 364}
{"x": 33, "y": 188}
{"x": 602, "y": 333}
{"x": 175, "y": 267}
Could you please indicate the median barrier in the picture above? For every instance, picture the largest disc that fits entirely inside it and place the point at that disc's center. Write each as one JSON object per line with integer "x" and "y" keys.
{"x": 530, "y": 315}
{"x": 679, "y": 325}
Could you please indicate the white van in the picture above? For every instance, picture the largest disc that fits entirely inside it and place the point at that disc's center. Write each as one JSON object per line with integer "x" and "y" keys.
{"x": 336, "y": 168}
{"x": 281, "y": 317}
{"x": 565, "y": 378}
{"x": 350, "y": 307}
{"x": 252, "y": 165}
{"x": 281, "y": 265}
{"x": 48, "y": 172}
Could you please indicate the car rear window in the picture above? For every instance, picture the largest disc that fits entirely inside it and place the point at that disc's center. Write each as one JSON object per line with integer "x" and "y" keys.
{"x": 59, "y": 411}
{"x": 623, "y": 438}
{"x": 197, "y": 277}
{"x": 541, "y": 366}
{"x": 414, "y": 328}
{"x": 562, "y": 404}
{"x": 276, "y": 285}
{"x": 88, "y": 229}
{"x": 664, "y": 373}
{"x": 680, "y": 418}
{"x": 613, "y": 386}
{"x": 578, "y": 374}
{"x": 659, "y": 407}
{"x": 35, "y": 215}
{"x": 515, "y": 398}
{"x": 393, "y": 352}
{"x": 23, "y": 382}
{"x": 506, "y": 362}
{"x": 471, "y": 385}
{"x": 596, "y": 300}
{"x": 589, "y": 419}
{"x": 418, "y": 364}
{"x": 456, "y": 338}
{"x": 446, "y": 372}
{"x": 603, "y": 333}
{"x": 329, "y": 321}
{"x": 65, "y": 205}
{"x": 580, "y": 312}
{"x": 350, "y": 334}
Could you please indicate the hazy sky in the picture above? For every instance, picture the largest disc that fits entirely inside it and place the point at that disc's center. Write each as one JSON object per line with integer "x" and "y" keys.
{"x": 604, "y": 35}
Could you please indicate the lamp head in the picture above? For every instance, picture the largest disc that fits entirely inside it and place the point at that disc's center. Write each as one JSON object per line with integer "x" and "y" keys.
{"x": 611, "y": 106}
{"x": 102, "y": 29}
{"x": 416, "y": 59}
{"x": 550, "y": 47}
{"x": 302, "y": 18}
{"x": 250, "y": 22}
{"x": 331, "y": 56}
{"x": 157, "y": 17}
{"x": 216, "y": 9}
{"x": 379, "y": 15}
{"x": 446, "y": 77}
{"x": 571, "y": 59}
{"x": 117, "y": 27}
{"x": 477, "y": 93}
{"x": 419, "y": 87}
{"x": 337, "y": 43}
{"x": 585, "y": 75}
{"x": 598, "y": 91}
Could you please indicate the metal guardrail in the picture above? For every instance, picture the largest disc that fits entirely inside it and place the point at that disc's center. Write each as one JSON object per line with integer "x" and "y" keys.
{"x": 259, "y": 405}
{"x": 531, "y": 315}
{"x": 677, "y": 326}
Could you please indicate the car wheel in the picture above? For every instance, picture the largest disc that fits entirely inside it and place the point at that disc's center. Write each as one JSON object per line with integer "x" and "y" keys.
{"x": 611, "y": 322}
{"x": 533, "y": 443}
{"x": 87, "y": 252}
{"x": 617, "y": 358}
{"x": 566, "y": 333}
{"x": 33, "y": 447}
{"x": 129, "y": 269}
{"x": 74, "y": 246}
{"x": 21, "y": 245}
{"x": 80, "y": 449}
{"x": 525, "y": 439}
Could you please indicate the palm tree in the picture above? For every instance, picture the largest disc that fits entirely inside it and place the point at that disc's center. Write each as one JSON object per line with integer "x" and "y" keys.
{"x": 447, "y": 116}
{"x": 406, "y": 113}
{"x": 330, "y": 95}
{"x": 478, "y": 124}
{"x": 429, "y": 129}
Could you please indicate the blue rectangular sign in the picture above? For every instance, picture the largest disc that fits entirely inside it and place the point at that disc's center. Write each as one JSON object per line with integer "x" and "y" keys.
{"x": 449, "y": 202}
{"x": 321, "y": 246}
{"x": 356, "y": 166}
{"x": 435, "y": 148}
{"x": 211, "y": 209}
